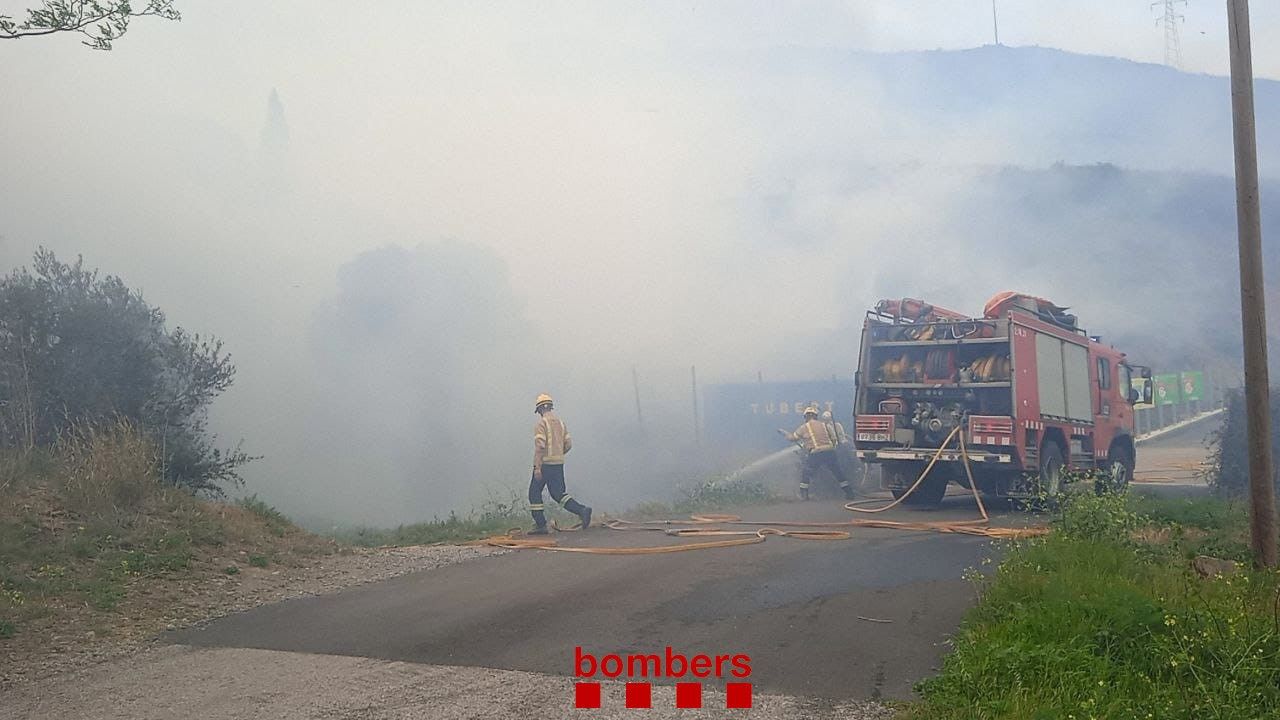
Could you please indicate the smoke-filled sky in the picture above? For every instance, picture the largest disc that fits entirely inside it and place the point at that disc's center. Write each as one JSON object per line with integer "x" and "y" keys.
{"x": 450, "y": 207}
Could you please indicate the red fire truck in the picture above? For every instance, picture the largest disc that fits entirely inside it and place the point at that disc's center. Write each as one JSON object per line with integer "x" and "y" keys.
{"x": 1032, "y": 394}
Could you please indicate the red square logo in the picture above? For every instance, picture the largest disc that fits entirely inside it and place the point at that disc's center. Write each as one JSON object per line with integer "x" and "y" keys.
{"x": 586, "y": 695}
{"x": 689, "y": 695}
{"x": 737, "y": 695}
{"x": 639, "y": 695}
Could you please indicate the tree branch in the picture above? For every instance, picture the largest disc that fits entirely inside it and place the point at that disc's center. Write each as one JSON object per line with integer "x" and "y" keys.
{"x": 101, "y": 22}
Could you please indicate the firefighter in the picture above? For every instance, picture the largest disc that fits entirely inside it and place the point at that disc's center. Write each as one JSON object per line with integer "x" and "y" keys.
{"x": 551, "y": 441}
{"x": 834, "y": 429}
{"x": 845, "y": 456}
{"x": 820, "y": 452}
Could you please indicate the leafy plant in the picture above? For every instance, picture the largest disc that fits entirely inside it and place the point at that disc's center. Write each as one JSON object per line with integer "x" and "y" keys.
{"x": 79, "y": 349}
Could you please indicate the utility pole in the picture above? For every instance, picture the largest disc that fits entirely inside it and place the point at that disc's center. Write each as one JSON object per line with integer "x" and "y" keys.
{"x": 1257, "y": 385}
{"x": 697, "y": 426}
{"x": 635, "y": 383}
{"x": 995, "y": 21}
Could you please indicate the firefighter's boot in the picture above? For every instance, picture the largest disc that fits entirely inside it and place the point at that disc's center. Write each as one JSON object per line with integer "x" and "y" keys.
{"x": 539, "y": 520}
{"x": 804, "y": 491}
{"x": 848, "y": 491}
{"x": 577, "y": 508}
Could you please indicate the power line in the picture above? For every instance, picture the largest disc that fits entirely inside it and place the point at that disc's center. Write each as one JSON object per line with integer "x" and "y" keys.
{"x": 1172, "y": 36}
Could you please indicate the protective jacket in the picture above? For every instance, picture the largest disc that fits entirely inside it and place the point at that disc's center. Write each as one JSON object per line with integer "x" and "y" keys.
{"x": 813, "y": 436}
{"x": 551, "y": 440}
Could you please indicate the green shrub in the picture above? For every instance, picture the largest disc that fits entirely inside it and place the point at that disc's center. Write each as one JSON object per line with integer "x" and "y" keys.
{"x": 1228, "y": 471}
{"x": 80, "y": 347}
{"x": 1106, "y": 517}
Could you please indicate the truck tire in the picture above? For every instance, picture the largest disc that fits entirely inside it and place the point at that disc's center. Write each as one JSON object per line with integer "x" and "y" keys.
{"x": 1117, "y": 473}
{"x": 901, "y": 476}
{"x": 1052, "y": 467}
{"x": 931, "y": 491}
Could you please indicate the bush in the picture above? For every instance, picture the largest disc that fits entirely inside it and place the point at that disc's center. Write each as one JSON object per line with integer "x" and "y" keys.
{"x": 1228, "y": 471}
{"x": 77, "y": 348}
{"x": 1091, "y": 517}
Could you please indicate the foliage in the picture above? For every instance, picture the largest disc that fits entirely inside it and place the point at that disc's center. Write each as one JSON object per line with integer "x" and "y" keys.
{"x": 1090, "y": 517}
{"x": 495, "y": 516}
{"x": 275, "y": 520}
{"x": 101, "y": 22}
{"x": 1228, "y": 471}
{"x": 1099, "y": 621}
{"x": 86, "y": 519}
{"x": 713, "y": 494}
{"x": 77, "y": 348}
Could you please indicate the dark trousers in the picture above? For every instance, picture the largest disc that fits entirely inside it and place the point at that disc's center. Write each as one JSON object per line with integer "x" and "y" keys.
{"x": 814, "y": 462}
{"x": 553, "y": 480}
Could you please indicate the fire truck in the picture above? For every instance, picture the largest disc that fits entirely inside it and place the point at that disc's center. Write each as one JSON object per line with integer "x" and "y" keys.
{"x": 1022, "y": 392}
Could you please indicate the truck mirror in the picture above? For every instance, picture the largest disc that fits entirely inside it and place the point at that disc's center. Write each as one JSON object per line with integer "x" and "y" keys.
{"x": 1134, "y": 396}
{"x": 1146, "y": 372}
{"x": 1148, "y": 391}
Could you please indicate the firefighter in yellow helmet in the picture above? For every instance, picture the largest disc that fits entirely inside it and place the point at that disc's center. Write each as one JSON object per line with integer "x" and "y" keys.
{"x": 551, "y": 442}
{"x": 820, "y": 452}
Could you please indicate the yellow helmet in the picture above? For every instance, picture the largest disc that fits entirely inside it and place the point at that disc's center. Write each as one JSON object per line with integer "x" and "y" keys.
{"x": 811, "y": 410}
{"x": 543, "y": 399}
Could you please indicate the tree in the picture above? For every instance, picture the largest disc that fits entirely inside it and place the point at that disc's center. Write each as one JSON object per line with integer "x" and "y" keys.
{"x": 76, "y": 347}
{"x": 101, "y": 22}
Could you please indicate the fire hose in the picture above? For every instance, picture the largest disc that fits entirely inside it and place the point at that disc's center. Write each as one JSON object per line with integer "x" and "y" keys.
{"x": 708, "y": 525}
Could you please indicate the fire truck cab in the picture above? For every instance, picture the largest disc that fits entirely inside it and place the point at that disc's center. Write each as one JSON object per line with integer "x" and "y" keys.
{"x": 1022, "y": 391}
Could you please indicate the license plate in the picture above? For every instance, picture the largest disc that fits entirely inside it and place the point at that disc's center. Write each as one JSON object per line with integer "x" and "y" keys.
{"x": 873, "y": 437}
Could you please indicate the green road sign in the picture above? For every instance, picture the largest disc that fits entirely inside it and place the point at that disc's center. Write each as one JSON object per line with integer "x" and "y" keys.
{"x": 1168, "y": 389}
{"x": 1192, "y": 386}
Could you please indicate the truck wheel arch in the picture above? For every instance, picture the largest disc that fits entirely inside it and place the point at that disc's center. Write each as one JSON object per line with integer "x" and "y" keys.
{"x": 1123, "y": 451}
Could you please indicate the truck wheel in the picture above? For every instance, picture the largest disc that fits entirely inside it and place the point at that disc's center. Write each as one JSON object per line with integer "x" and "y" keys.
{"x": 899, "y": 477}
{"x": 1117, "y": 473}
{"x": 931, "y": 491}
{"x": 1051, "y": 470}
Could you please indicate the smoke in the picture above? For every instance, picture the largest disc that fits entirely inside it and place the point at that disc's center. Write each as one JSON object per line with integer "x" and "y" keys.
{"x": 444, "y": 215}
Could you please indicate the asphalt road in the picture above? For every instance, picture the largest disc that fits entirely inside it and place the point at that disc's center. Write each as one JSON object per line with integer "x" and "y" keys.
{"x": 792, "y": 605}
{"x": 827, "y": 625}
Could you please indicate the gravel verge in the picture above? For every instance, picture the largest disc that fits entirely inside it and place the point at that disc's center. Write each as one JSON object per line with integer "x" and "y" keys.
{"x": 159, "y": 604}
{"x": 232, "y": 683}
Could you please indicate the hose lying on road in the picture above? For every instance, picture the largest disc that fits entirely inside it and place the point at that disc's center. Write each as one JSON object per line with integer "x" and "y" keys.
{"x": 707, "y": 525}
{"x": 512, "y": 540}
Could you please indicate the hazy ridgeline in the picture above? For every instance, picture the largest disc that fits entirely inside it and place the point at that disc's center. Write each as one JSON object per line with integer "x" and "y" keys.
{"x": 400, "y": 261}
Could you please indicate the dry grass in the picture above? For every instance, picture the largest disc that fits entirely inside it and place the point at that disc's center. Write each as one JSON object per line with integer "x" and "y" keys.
{"x": 92, "y": 541}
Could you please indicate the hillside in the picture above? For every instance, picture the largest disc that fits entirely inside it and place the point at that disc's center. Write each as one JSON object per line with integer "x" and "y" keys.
{"x": 1037, "y": 106}
{"x": 97, "y": 556}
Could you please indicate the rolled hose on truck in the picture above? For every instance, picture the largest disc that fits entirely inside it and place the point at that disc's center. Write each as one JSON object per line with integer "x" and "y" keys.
{"x": 706, "y": 525}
